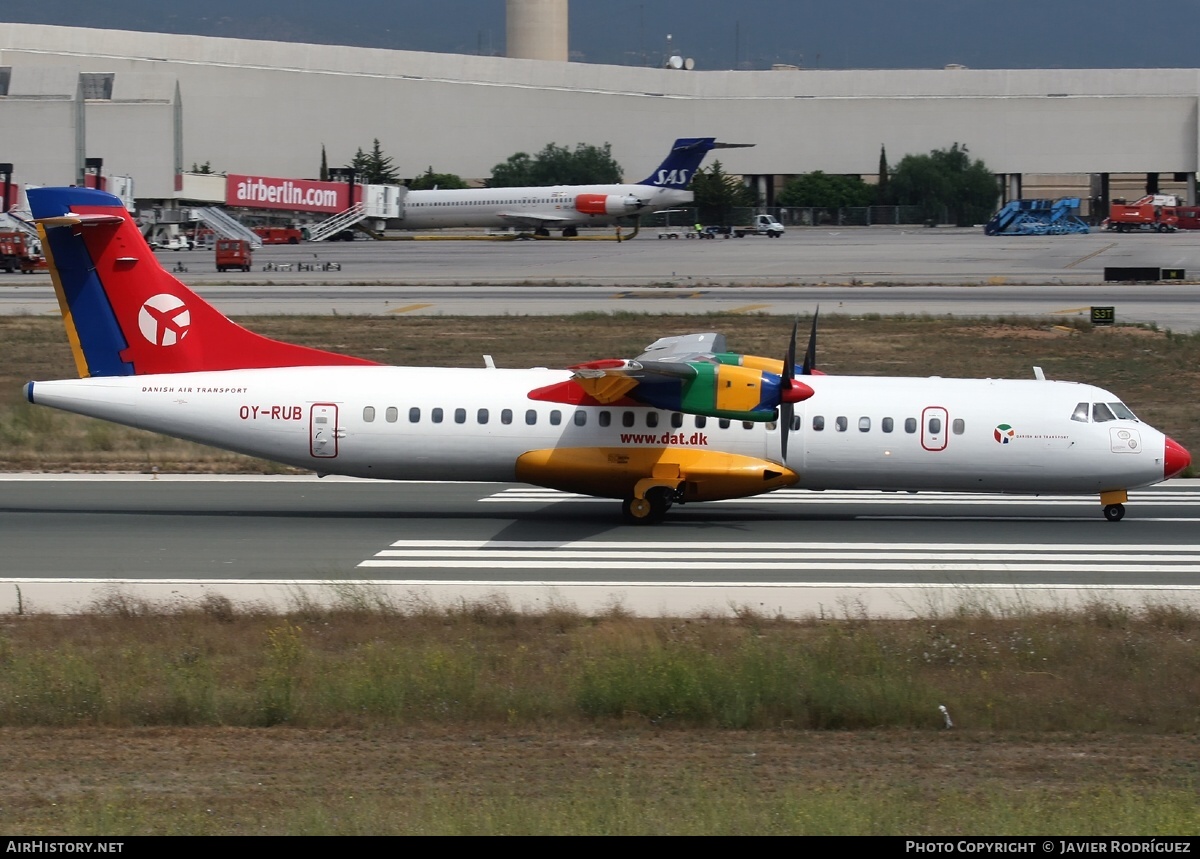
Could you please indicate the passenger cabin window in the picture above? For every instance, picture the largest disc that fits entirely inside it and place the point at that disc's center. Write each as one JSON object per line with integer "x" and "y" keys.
{"x": 531, "y": 417}
{"x": 797, "y": 422}
{"x": 436, "y": 416}
{"x": 818, "y": 422}
{"x": 1081, "y": 413}
{"x": 605, "y": 419}
{"x": 626, "y": 419}
{"x": 910, "y": 425}
{"x": 460, "y": 416}
{"x": 887, "y": 424}
{"x": 747, "y": 424}
{"x": 701, "y": 421}
{"x": 1102, "y": 413}
{"x": 935, "y": 426}
{"x": 651, "y": 419}
{"x": 555, "y": 417}
{"x": 723, "y": 423}
{"x": 391, "y": 414}
{"x": 840, "y": 423}
{"x": 957, "y": 426}
{"x": 506, "y": 416}
{"x": 482, "y": 416}
{"x": 368, "y": 413}
{"x": 580, "y": 418}
{"x": 414, "y": 415}
{"x": 676, "y": 420}
{"x": 864, "y": 424}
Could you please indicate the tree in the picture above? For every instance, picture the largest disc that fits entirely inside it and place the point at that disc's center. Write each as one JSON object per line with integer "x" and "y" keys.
{"x": 374, "y": 168}
{"x": 429, "y": 180}
{"x": 717, "y": 194}
{"x": 558, "y": 165}
{"x": 946, "y": 181}
{"x": 324, "y": 174}
{"x": 825, "y": 191}
{"x": 883, "y": 190}
{"x": 201, "y": 168}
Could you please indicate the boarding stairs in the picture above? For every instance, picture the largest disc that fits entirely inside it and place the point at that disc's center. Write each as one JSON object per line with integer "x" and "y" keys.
{"x": 1037, "y": 218}
{"x": 15, "y": 221}
{"x": 334, "y": 225}
{"x": 227, "y": 226}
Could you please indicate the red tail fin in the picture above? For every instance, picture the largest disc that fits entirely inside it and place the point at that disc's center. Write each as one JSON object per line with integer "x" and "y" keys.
{"x": 126, "y": 314}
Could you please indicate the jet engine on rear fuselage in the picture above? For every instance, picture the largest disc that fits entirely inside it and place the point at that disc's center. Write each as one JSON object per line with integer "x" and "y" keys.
{"x": 607, "y": 204}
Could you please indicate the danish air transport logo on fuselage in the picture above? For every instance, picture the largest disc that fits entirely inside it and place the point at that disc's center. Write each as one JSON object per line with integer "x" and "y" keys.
{"x": 164, "y": 319}
{"x": 1004, "y": 434}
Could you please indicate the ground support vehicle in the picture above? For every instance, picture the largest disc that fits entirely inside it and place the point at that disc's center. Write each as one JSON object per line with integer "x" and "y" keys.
{"x": 762, "y": 225}
{"x": 233, "y": 253}
{"x": 279, "y": 235}
{"x": 1037, "y": 218}
{"x": 1153, "y": 213}
{"x": 19, "y": 251}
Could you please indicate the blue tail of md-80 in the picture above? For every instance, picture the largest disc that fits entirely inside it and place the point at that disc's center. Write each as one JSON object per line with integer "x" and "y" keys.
{"x": 681, "y": 164}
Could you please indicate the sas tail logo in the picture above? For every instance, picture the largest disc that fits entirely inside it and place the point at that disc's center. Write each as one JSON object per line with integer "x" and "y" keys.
{"x": 673, "y": 177}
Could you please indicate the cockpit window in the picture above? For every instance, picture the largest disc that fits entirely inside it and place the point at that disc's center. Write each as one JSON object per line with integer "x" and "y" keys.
{"x": 1101, "y": 413}
{"x": 1081, "y": 413}
{"x": 1122, "y": 411}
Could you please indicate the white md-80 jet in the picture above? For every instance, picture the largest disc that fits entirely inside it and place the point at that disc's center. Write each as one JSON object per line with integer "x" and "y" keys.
{"x": 686, "y": 421}
{"x": 563, "y": 207}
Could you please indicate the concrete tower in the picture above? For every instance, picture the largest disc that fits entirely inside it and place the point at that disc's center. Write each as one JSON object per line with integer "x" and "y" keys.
{"x": 536, "y": 29}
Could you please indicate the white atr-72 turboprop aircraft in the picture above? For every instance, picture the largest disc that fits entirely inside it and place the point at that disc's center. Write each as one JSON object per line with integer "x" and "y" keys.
{"x": 686, "y": 421}
{"x": 563, "y": 207}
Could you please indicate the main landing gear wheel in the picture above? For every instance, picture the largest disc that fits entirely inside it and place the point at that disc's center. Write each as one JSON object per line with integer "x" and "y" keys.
{"x": 649, "y": 510}
{"x": 1114, "y": 512}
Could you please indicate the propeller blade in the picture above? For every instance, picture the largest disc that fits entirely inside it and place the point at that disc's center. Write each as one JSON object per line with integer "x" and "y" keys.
{"x": 786, "y": 407}
{"x": 810, "y": 354}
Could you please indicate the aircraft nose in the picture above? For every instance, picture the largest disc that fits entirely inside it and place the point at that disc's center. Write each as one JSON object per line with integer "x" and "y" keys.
{"x": 1177, "y": 459}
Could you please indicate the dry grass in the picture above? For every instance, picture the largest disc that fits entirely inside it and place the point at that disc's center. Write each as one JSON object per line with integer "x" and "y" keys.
{"x": 479, "y": 720}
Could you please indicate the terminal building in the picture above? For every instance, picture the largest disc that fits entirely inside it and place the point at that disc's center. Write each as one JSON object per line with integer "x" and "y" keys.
{"x": 150, "y": 114}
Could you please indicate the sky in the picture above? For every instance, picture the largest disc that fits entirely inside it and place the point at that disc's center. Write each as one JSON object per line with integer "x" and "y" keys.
{"x": 716, "y": 34}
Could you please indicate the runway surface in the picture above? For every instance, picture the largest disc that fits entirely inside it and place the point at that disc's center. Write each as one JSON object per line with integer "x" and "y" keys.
{"x": 882, "y": 270}
{"x": 71, "y": 539}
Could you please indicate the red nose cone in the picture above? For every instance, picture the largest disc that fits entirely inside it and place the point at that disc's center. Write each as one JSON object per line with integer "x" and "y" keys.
{"x": 1177, "y": 459}
{"x": 798, "y": 392}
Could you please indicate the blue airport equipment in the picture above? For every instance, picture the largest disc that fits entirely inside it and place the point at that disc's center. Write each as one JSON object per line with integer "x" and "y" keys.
{"x": 1037, "y": 218}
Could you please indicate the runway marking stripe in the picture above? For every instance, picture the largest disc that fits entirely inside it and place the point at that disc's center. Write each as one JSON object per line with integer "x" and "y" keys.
{"x": 809, "y": 496}
{"x": 541, "y": 584}
{"x": 939, "y": 557}
{"x": 782, "y": 566}
{"x": 798, "y": 546}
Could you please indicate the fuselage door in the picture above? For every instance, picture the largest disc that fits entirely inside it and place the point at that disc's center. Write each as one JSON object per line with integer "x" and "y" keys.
{"x": 933, "y": 428}
{"x": 322, "y": 430}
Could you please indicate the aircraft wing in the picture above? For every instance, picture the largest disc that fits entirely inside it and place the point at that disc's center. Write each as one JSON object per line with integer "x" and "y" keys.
{"x": 530, "y": 219}
{"x": 692, "y": 373}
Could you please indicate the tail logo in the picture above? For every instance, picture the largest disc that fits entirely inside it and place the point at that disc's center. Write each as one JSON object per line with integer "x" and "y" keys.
{"x": 164, "y": 319}
{"x": 673, "y": 177}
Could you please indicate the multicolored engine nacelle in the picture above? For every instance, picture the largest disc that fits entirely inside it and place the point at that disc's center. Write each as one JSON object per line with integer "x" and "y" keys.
{"x": 737, "y": 387}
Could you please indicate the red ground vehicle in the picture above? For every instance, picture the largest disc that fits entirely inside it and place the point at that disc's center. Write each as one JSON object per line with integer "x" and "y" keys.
{"x": 18, "y": 251}
{"x": 233, "y": 253}
{"x": 1155, "y": 212}
{"x": 1189, "y": 217}
{"x": 279, "y": 235}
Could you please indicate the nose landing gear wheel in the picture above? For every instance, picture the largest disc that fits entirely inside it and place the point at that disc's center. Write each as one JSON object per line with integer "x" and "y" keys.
{"x": 1114, "y": 512}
